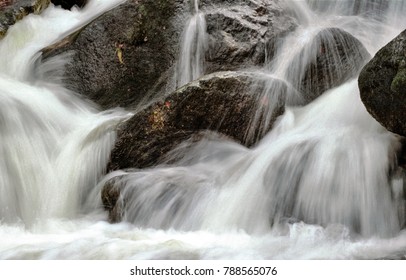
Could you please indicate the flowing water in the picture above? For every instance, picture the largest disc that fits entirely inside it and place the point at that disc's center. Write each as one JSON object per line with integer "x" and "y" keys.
{"x": 193, "y": 47}
{"x": 321, "y": 185}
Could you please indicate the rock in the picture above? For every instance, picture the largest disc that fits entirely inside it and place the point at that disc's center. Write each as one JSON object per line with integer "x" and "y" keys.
{"x": 110, "y": 196}
{"x": 221, "y": 102}
{"x": 382, "y": 85}
{"x": 335, "y": 56}
{"x": 124, "y": 54}
{"x": 116, "y": 61}
{"x": 240, "y": 33}
{"x": 68, "y": 4}
{"x": 13, "y": 10}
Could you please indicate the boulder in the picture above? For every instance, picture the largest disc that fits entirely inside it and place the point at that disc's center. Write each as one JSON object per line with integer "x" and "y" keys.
{"x": 123, "y": 55}
{"x": 331, "y": 58}
{"x": 130, "y": 54}
{"x": 222, "y": 102}
{"x": 242, "y": 33}
{"x": 382, "y": 85}
{"x": 220, "y": 105}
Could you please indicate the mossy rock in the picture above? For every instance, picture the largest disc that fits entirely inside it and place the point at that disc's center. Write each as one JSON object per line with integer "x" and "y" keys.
{"x": 399, "y": 82}
{"x": 382, "y": 84}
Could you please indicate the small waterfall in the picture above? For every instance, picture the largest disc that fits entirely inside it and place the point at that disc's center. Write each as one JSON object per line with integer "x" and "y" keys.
{"x": 318, "y": 165}
{"x": 329, "y": 47}
{"x": 325, "y": 163}
{"x": 53, "y": 145}
{"x": 321, "y": 184}
{"x": 193, "y": 47}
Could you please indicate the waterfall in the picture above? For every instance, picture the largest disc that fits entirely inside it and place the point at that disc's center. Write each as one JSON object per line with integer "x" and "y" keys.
{"x": 319, "y": 165}
{"x": 324, "y": 163}
{"x": 53, "y": 144}
{"x": 321, "y": 184}
{"x": 193, "y": 47}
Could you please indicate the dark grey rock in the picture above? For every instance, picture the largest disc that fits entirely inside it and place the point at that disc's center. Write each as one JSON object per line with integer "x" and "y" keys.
{"x": 218, "y": 105}
{"x": 221, "y": 102}
{"x": 242, "y": 33}
{"x": 382, "y": 84}
{"x": 124, "y": 54}
{"x": 333, "y": 57}
{"x": 147, "y": 34}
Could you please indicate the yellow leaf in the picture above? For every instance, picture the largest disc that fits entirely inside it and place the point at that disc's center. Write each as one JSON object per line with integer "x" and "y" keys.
{"x": 120, "y": 55}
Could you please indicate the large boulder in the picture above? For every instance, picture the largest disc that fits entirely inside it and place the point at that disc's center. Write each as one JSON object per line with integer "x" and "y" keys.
{"x": 222, "y": 102}
{"x": 382, "y": 85}
{"x": 125, "y": 54}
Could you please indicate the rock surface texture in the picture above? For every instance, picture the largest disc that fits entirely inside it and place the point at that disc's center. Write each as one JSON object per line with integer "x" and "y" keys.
{"x": 222, "y": 101}
{"x": 335, "y": 57}
{"x": 382, "y": 84}
{"x": 242, "y": 34}
{"x": 123, "y": 55}
{"x": 130, "y": 54}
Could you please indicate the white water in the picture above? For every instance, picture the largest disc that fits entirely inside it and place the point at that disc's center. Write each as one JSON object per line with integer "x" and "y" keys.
{"x": 315, "y": 187}
{"x": 54, "y": 146}
{"x": 193, "y": 47}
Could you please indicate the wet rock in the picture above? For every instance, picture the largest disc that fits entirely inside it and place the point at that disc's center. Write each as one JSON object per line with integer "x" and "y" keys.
{"x": 382, "y": 84}
{"x": 333, "y": 57}
{"x": 130, "y": 54}
{"x": 13, "y": 10}
{"x": 124, "y": 54}
{"x": 110, "y": 196}
{"x": 242, "y": 33}
{"x": 221, "y": 102}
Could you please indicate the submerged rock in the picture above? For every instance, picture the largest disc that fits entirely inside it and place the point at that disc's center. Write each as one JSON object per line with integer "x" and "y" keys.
{"x": 382, "y": 84}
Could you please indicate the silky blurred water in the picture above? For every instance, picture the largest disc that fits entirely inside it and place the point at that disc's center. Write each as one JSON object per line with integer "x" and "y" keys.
{"x": 318, "y": 186}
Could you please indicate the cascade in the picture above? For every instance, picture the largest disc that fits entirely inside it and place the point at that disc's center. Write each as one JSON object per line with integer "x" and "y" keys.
{"x": 53, "y": 144}
{"x": 320, "y": 184}
{"x": 286, "y": 176}
{"x": 193, "y": 47}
